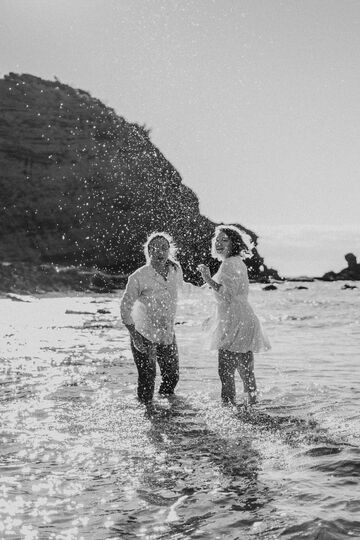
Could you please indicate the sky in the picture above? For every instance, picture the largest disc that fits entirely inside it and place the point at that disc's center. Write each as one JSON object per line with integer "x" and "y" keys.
{"x": 255, "y": 102}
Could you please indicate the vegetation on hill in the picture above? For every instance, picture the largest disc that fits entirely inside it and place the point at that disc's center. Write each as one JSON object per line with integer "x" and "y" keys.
{"x": 82, "y": 186}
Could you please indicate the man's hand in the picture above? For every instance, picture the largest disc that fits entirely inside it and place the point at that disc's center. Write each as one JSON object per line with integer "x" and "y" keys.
{"x": 136, "y": 338}
{"x": 138, "y": 342}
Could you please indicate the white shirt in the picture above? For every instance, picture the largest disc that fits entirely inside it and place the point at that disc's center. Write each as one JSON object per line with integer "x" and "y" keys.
{"x": 149, "y": 302}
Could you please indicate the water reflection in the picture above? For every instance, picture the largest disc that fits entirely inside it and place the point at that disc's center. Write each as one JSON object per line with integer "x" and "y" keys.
{"x": 194, "y": 478}
{"x": 81, "y": 459}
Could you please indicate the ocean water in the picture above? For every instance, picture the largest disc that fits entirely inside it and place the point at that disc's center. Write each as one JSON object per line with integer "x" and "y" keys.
{"x": 81, "y": 459}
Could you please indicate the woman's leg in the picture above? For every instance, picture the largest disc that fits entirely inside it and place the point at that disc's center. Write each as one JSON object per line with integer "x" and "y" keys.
{"x": 227, "y": 365}
{"x": 245, "y": 367}
{"x": 168, "y": 359}
{"x": 146, "y": 366}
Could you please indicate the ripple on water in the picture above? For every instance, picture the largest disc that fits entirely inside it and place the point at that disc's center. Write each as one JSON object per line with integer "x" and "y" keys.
{"x": 320, "y": 529}
{"x": 80, "y": 458}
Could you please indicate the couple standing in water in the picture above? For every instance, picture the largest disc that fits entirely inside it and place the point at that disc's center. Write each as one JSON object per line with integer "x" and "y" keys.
{"x": 148, "y": 309}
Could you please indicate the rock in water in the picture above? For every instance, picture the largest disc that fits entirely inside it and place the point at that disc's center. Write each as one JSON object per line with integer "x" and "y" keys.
{"x": 351, "y": 272}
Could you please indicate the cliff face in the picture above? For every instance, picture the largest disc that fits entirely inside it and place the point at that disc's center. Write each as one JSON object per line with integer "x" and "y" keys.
{"x": 80, "y": 185}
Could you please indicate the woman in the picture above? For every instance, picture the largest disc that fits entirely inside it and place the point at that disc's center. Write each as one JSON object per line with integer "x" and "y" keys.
{"x": 148, "y": 309}
{"x": 237, "y": 333}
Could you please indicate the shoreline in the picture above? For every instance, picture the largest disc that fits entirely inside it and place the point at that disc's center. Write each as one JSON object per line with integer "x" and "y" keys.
{"x": 29, "y": 296}
{"x": 26, "y": 279}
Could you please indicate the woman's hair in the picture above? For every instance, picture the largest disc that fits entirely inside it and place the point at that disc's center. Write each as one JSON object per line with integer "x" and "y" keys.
{"x": 172, "y": 247}
{"x": 238, "y": 244}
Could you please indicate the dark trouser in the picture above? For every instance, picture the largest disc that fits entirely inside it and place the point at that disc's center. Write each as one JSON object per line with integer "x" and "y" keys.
{"x": 168, "y": 360}
{"x": 228, "y": 363}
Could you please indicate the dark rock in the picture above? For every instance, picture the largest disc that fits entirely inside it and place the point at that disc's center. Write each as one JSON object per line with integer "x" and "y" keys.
{"x": 303, "y": 279}
{"x": 270, "y": 288}
{"x": 82, "y": 186}
{"x": 351, "y": 272}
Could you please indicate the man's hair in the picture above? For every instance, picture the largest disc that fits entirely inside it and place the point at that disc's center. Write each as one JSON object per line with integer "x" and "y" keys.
{"x": 172, "y": 247}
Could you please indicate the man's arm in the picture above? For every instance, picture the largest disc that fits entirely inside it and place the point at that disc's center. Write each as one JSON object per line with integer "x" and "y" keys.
{"x": 131, "y": 294}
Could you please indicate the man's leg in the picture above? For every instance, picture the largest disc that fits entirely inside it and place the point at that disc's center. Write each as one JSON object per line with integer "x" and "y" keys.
{"x": 168, "y": 359}
{"x": 227, "y": 365}
{"x": 245, "y": 367}
{"x": 146, "y": 366}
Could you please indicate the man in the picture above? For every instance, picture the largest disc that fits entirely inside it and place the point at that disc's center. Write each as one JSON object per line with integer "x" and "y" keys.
{"x": 148, "y": 309}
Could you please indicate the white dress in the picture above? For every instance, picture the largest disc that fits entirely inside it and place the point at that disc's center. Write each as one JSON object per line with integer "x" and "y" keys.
{"x": 236, "y": 328}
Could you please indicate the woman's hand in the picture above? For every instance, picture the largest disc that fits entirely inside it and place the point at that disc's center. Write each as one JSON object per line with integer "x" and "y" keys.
{"x": 205, "y": 274}
{"x": 204, "y": 271}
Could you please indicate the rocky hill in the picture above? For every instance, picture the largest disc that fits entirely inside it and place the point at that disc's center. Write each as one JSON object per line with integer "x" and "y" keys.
{"x": 82, "y": 186}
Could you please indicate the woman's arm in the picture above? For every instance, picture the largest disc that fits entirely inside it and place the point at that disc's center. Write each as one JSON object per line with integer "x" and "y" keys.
{"x": 228, "y": 276}
{"x": 205, "y": 274}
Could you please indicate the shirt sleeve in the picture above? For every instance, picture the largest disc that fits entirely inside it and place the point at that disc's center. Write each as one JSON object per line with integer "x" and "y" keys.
{"x": 228, "y": 278}
{"x": 131, "y": 294}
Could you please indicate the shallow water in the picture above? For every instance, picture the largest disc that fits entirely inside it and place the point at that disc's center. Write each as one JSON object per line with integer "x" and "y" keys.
{"x": 81, "y": 459}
